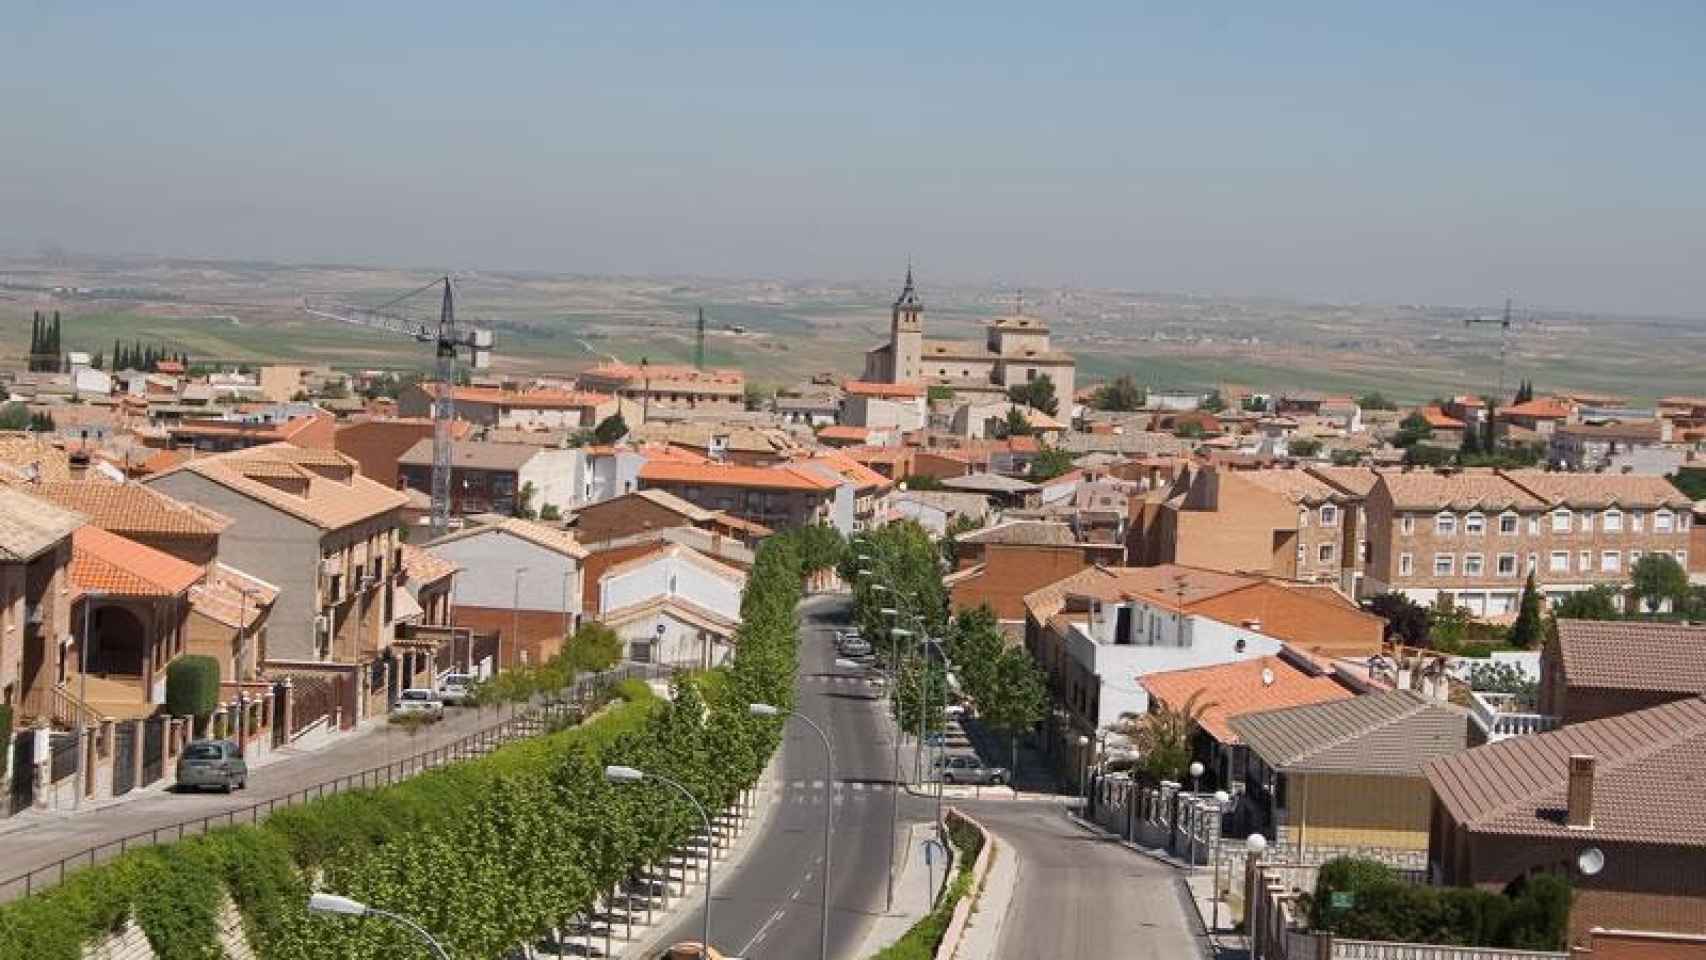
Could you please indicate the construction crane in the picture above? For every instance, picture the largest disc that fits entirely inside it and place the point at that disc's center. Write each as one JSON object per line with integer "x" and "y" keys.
{"x": 448, "y": 340}
{"x": 1505, "y": 322}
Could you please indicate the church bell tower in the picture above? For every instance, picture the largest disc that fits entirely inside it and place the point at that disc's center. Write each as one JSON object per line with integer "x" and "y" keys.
{"x": 906, "y": 335}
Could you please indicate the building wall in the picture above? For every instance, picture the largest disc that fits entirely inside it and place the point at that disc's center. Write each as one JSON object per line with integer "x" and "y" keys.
{"x": 671, "y": 576}
{"x": 376, "y": 444}
{"x": 488, "y": 562}
{"x": 622, "y": 516}
{"x": 1106, "y": 676}
{"x": 269, "y": 544}
{"x": 679, "y": 643}
{"x": 1313, "y": 624}
{"x": 1011, "y": 572}
{"x": 1334, "y": 810}
{"x": 555, "y": 477}
{"x": 776, "y": 509}
{"x": 527, "y": 636}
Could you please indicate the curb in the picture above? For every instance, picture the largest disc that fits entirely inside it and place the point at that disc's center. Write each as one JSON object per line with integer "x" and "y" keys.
{"x": 1180, "y": 880}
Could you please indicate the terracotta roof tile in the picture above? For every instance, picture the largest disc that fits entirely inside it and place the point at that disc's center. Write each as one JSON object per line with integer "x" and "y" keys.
{"x": 551, "y": 538}
{"x": 1633, "y": 655}
{"x": 473, "y": 455}
{"x": 866, "y": 388}
{"x": 327, "y": 503}
{"x": 421, "y": 565}
{"x": 33, "y": 458}
{"x": 1392, "y": 733}
{"x": 30, "y": 527}
{"x": 540, "y": 399}
{"x": 785, "y": 477}
{"x": 1228, "y": 690}
{"x": 108, "y": 563}
{"x": 131, "y": 509}
{"x": 676, "y": 551}
{"x": 1298, "y": 486}
{"x": 1540, "y": 408}
{"x": 1029, "y": 532}
{"x": 1457, "y": 490}
{"x": 1600, "y": 490}
{"x": 1646, "y": 779}
{"x": 229, "y": 594}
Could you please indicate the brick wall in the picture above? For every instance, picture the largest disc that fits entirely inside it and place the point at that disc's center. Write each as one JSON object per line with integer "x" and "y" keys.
{"x": 623, "y": 516}
{"x": 540, "y": 631}
{"x": 376, "y": 445}
{"x": 1631, "y": 945}
{"x": 1012, "y": 571}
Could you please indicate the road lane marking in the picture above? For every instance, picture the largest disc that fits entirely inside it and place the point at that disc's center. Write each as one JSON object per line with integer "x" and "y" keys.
{"x": 761, "y": 932}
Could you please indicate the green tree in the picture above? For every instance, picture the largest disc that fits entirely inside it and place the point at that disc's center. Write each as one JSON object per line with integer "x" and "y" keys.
{"x": 1450, "y": 625}
{"x": 1412, "y": 430}
{"x": 1528, "y": 630}
{"x": 1122, "y": 395}
{"x": 192, "y": 686}
{"x": 550, "y": 513}
{"x": 1214, "y": 402}
{"x": 1406, "y": 620}
{"x": 1188, "y": 430}
{"x": 937, "y": 393}
{"x": 1014, "y": 425}
{"x": 610, "y": 429}
{"x": 1594, "y": 603}
{"x": 757, "y": 397}
{"x": 1050, "y": 462}
{"x": 1427, "y": 455}
{"x": 1691, "y": 481}
{"x": 1165, "y": 736}
{"x": 1376, "y": 401}
{"x": 592, "y": 648}
{"x": 1305, "y": 447}
{"x": 923, "y": 481}
{"x": 42, "y": 422}
{"x": 524, "y": 502}
{"x": 14, "y": 416}
{"x": 1657, "y": 579}
{"x": 1037, "y": 394}
{"x": 1346, "y": 457}
{"x": 1014, "y": 698}
{"x": 959, "y": 525}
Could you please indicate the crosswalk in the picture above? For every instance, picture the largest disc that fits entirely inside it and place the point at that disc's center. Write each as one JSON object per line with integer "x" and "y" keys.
{"x": 845, "y": 791}
{"x": 843, "y": 680}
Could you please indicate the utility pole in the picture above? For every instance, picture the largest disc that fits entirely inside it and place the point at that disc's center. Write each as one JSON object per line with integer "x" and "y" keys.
{"x": 699, "y": 343}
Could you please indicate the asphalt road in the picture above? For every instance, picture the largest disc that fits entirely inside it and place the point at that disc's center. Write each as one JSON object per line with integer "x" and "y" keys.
{"x": 769, "y": 907}
{"x": 1080, "y": 896}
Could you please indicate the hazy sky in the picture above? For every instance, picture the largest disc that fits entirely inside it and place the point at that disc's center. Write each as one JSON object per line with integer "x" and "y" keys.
{"x": 1456, "y": 153}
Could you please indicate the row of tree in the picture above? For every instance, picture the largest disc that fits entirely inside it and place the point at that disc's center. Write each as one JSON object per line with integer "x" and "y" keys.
{"x": 146, "y": 358}
{"x": 45, "y": 355}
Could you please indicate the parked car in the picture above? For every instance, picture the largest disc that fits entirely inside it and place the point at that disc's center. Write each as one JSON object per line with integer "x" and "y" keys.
{"x": 967, "y": 768}
{"x": 456, "y": 688}
{"x": 855, "y": 646}
{"x": 418, "y": 700}
{"x": 212, "y": 763}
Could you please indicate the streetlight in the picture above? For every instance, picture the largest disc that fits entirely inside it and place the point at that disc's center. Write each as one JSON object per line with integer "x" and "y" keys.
{"x": 767, "y": 710}
{"x": 623, "y": 775}
{"x": 515, "y": 614}
{"x": 331, "y": 903}
{"x": 1196, "y": 770}
{"x": 1254, "y": 844}
{"x": 1220, "y": 799}
{"x": 1084, "y": 779}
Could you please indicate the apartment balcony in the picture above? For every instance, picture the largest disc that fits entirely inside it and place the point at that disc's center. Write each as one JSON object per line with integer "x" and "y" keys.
{"x": 1504, "y": 715}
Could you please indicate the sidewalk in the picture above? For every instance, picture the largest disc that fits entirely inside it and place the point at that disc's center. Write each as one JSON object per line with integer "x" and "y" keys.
{"x": 983, "y": 931}
{"x": 913, "y": 895}
{"x": 1196, "y": 884}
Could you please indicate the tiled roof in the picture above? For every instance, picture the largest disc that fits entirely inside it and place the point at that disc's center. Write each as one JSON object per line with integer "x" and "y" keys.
{"x": 29, "y": 527}
{"x": 1643, "y": 431}
{"x": 1354, "y": 480}
{"x": 1646, "y": 779}
{"x": 1632, "y": 655}
{"x": 33, "y": 458}
{"x": 1437, "y": 419}
{"x": 229, "y": 594}
{"x": 270, "y": 431}
{"x": 1028, "y": 532}
{"x": 712, "y": 545}
{"x": 542, "y": 399}
{"x": 539, "y": 534}
{"x": 974, "y": 505}
{"x": 851, "y": 470}
{"x": 131, "y": 509}
{"x": 320, "y": 500}
{"x": 108, "y": 563}
{"x": 988, "y": 483}
{"x": 738, "y": 437}
{"x": 676, "y": 606}
{"x": 423, "y": 566}
{"x": 1540, "y": 408}
{"x": 785, "y": 477}
{"x": 1166, "y": 586}
{"x": 473, "y": 455}
{"x": 1600, "y": 490}
{"x": 1228, "y": 690}
{"x": 1392, "y": 733}
{"x": 1298, "y": 486}
{"x": 1456, "y": 490}
{"x": 674, "y": 504}
{"x": 839, "y": 431}
{"x": 866, "y": 388}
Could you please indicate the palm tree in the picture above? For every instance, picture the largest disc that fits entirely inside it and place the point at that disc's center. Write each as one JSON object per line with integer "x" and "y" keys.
{"x": 1163, "y": 737}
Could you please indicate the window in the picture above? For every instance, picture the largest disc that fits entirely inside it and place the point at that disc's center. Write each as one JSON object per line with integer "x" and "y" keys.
{"x": 1533, "y": 562}
{"x": 1662, "y": 521}
{"x": 1445, "y": 524}
{"x": 1634, "y": 557}
{"x": 1610, "y": 561}
{"x": 1534, "y": 524}
{"x": 1475, "y": 524}
{"x": 1325, "y": 553}
{"x": 1636, "y": 520}
{"x": 1507, "y": 524}
{"x": 1560, "y": 521}
{"x": 1329, "y": 515}
{"x": 1682, "y": 559}
{"x": 1472, "y": 564}
{"x": 1406, "y": 565}
{"x": 1407, "y": 525}
{"x": 1363, "y": 551}
{"x": 1682, "y": 521}
{"x": 1611, "y": 521}
{"x": 1444, "y": 564}
{"x": 1302, "y": 517}
{"x": 1505, "y": 565}
{"x": 1587, "y": 521}
{"x": 1584, "y": 561}
{"x": 1560, "y": 561}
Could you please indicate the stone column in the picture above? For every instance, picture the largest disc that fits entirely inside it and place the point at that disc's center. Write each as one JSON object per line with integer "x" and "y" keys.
{"x": 289, "y": 708}
{"x": 139, "y": 738}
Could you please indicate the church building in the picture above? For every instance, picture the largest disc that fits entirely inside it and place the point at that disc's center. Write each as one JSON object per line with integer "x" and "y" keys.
{"x": 1015, "y": 350}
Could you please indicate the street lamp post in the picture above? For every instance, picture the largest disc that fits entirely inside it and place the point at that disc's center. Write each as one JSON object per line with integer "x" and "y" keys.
{"x": 1084, "y": 774}
{"x": 515, "y": 615}
{"x": 237, "y": 669}
{"x": 1196, "y": 771}
{"x": 1254, "y": 844}
{"x": 767, "y": 710}
{"x": 1220, "y": 799}
{"x": 620, "y": 775}
{"x": 331, "y": 903}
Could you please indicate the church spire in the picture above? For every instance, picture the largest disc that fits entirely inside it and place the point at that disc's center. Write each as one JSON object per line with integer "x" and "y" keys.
{"x": 908, "y": 296}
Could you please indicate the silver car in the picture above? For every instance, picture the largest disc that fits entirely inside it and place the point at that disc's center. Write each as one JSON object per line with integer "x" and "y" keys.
{"x": 966, "y": 768}
{"x": 420, "y": 701}
{"x": 212, "y": 763}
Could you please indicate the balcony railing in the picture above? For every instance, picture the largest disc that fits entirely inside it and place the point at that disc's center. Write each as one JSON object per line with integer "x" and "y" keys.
{"x": 1504, "y": 715}
{"x": 58, "y": 706}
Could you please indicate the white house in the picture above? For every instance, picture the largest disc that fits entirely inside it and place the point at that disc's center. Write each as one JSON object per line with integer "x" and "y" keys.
{"x": 673, "y": 605}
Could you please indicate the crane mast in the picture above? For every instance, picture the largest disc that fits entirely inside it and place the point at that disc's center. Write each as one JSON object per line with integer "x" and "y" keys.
{"x": 448, "y": 342}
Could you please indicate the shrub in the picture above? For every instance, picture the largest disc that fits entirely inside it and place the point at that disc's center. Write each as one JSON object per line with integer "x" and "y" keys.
{"x": 1532, "y": 914}
{"x": 192, "y": 686}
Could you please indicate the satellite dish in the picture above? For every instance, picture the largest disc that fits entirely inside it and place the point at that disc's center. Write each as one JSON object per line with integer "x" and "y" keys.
{"x": 1267, "y": 677}
{"x": 1590, "y": 861}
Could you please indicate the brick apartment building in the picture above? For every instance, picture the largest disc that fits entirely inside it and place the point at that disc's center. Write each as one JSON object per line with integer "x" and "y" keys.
{"x": 645, "y": 510}
{"x": 489, "y": 477}
{"x": 668, "y": 386}
{"x": 540, "y": 409}
{"x": 778, "y": 497}
{"x": 377, "y": 445}
{"x": 1474, "y": 535}
{"x": 999, "y": 565}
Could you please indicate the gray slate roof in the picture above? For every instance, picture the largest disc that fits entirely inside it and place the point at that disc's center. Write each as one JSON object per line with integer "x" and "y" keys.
{"x": 1380, "y": 734}
{"x": 473, "y": 454}
{"x": 29, "y": 526}
{"x": 1031, "y": 532}
{"x": 988, "y": 483}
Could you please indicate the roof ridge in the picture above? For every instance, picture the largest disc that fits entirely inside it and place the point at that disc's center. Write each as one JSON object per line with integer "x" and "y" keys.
{"x": 1416, "y": 706}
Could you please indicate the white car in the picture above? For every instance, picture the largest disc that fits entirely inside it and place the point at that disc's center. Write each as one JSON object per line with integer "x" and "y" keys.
{"x": 456, "y": 688}
{"x": 417, "y": 700}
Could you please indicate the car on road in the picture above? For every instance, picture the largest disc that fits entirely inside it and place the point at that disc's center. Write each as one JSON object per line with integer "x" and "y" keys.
{"x": 212, "y": 763}
{"x": 968, "y": 768}
{"x": 419, "y": 700}
{"x": 456, "y": 688}
{"x": 853, "y": 645}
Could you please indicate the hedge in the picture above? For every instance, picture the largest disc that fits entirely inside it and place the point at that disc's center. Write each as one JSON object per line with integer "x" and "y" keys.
{"x": 192, "y": 686}
{"x": 1532, "y": 914}
{"x": 920, "y": 940}
{"x": 487, "y": 853}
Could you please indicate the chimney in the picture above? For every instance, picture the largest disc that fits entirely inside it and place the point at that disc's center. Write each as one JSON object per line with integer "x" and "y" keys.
{"x": 1580, "y": 794}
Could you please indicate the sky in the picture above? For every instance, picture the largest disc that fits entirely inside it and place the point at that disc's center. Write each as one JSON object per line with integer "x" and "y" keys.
{"x": 1444, "y": 153}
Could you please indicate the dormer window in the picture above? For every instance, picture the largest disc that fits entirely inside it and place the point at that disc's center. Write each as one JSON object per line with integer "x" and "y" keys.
{"x": 1611, "y": 521}
{"x": 1561, "y": 521}
{"x": 1445, "y": 524}
{"x": 1475, "y": 524}
{"x": 1329, "y": 515}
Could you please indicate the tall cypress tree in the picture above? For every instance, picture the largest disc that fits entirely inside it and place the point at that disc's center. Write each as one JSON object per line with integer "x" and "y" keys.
{"x": 35, "y": 338}
{"x": 58, "y": 349}
{"x": 1526, "y": 631}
